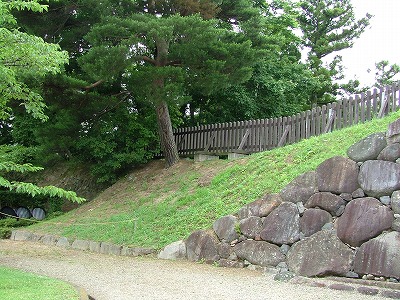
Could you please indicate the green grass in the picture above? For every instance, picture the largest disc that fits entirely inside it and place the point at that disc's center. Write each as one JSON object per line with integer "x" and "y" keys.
{"x": 159, "y": 214}
{"x": 18, "y": 285}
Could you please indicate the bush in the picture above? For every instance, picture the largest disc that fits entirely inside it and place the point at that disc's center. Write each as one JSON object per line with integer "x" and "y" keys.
{"x": 5, "y": 233}
{"x": 7, "y": 225}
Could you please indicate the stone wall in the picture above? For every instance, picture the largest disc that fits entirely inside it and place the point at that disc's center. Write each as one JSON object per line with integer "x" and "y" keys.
{"x": 342, "y": 219}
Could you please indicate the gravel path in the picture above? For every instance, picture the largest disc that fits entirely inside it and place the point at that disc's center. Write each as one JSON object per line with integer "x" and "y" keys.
{"x": 124, "y": 278}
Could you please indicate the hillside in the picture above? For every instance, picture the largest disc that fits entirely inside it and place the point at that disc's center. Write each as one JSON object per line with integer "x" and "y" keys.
{"x": 153, "y": 206}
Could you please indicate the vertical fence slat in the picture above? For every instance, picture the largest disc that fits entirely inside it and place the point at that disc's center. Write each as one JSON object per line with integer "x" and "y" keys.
{"x": 363, "y": 108}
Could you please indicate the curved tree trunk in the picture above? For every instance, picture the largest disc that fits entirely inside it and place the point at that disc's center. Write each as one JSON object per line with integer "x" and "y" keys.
{"x": 166, "y": 135}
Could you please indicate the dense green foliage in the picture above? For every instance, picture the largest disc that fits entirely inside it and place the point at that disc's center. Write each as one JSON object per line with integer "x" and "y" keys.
{"x": 24, "y": 58}
{"x": 24, "y": 61}
{"x": 18, "y": 285}
{"x": 384, "y": 73}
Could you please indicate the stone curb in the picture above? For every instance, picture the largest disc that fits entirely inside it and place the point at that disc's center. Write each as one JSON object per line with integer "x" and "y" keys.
{"x": 364, "y": 287}
{"x": 77, "y": 244}
{"x": 83, "y": 295}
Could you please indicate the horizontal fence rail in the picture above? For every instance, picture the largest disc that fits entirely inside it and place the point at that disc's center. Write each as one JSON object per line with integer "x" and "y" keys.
{"x": 260, "y": 135}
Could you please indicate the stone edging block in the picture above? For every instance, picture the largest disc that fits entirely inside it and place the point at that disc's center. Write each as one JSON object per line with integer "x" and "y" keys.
{"x": 83, "y": 245}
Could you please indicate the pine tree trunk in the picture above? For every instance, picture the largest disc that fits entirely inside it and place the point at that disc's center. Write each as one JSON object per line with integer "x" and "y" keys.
{"x": 166, "y": 135}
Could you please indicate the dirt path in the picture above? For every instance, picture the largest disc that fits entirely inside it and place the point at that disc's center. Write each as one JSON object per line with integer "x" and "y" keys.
{"x": 124, "y": 278}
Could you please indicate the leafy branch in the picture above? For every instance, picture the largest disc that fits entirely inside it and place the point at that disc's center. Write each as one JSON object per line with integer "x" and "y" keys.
{"x": 34, "y": 190}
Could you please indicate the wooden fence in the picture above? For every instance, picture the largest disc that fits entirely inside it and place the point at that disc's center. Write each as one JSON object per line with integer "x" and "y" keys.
{"x": 260, "y": 135}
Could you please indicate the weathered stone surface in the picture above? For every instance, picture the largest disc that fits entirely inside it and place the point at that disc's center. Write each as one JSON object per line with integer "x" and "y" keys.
{"x": 282, "y": 226}
{"x": 358, "y": 193}
{"x": 259, "y": 253}
{"x": 395, "y": 202}
{"x": 136, "y": 251}
{"x": 301, "y": 188}
{"x": 49, "y": 240}
{"x": 80, "y": 245}
{"x": 340, "y": 210}
{"x": 63, "y": 242}
{"x": 337, "y": 175}
{"x": 173, "y": 251}
{"x": 380, "y": 256}
{"x": 390, "y": 153}
{"x": 385, "y": 200}
{"x": 390, "y": 294}
{"x": 393, "y": 132}
{"x": 111, "y": 249}
{"x": 251, "y": 227}
{"x": 300, "y": 208}
{"x": 225, "y": 250}
{"x": 313, "y": 220}
{"x": 35, "y": 237}
{"x": 379, "y": 178}
{"x": 363, "y": 219}
{"x": 346, "y": 196}
{"x": 18, "y": 235}
{"x": 225, "y": 228}
{"x": 268, "y": 204}
{"x": 396, "y": 225}
{"x": 327, "y": 201}
{"x": 320, "y": 254}
{"x": 284, "y": 276}
{"x": 226, "y": 263}
{"x": 261, "y": 207}
{"x": 368, "y": 148}
{"x": 284, "y": 249}
{"x": 341, "y": 287}
{"x": 367, "y": 290}
{"x": 202, "y": 245}
{"x": 94, "y": 246}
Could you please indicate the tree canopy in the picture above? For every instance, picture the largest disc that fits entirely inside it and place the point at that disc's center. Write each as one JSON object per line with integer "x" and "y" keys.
{"x": 328, "y": 26}
{"x": 159, "y": 57}
{"x": 24, "y": 61}
{"x": 24, "y": 58}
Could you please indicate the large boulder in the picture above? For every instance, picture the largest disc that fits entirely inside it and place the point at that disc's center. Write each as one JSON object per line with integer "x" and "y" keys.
{"x": 225, "y": 228}
{"x": 174, "y": 251}
{"x": 396, "y": 225}
{"x": 282, "y": 226}
{"x": 380, "y": 256}
{"x": 261, "y": 207}
{"x": 338, "y": 175}
{"x": 301, "y": 188}
{"x": 393, "y": 132}
{"x": 390, "y": 153}
{"x": 368, "y": 148}
{"x": 363, "y": 219}
{"x": 251, "y": 227}
{"x": 202, "y": 245}
{"x": 313, "y": 220}
{"x": 379, "y": 178}
{"x": 320, "y": 254}
{"x": 259, "y": 253}
{"x": 395, "y": 202}
{"x": 327, "y": 201}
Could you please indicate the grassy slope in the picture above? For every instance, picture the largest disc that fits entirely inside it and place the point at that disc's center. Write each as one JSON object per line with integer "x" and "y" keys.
{"x": 167, "y": 205}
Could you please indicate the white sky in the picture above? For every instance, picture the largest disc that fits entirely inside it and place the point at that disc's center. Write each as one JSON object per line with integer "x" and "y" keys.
{"x": 380, "y": 41}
